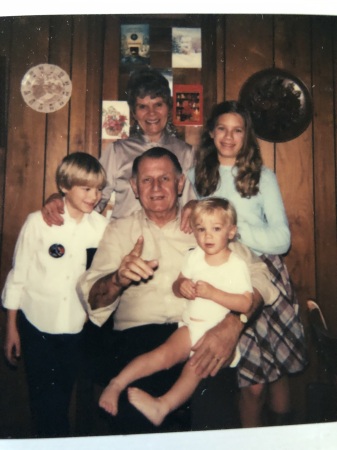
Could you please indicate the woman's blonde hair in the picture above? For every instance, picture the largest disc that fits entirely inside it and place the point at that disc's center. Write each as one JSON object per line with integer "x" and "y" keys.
{"x": 211, "y": 204}
{"x": 248, "y": 161}
{"x": 80, "y": 169}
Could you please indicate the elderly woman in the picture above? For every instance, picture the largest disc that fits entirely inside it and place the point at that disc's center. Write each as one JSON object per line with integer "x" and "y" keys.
{"x": 149, "y": 99}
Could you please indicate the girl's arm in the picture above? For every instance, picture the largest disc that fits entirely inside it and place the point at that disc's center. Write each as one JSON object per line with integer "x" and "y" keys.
{"x": 273, "y": 237}
{"x": 235, "y": 302}
{"x": 12, "y": 346}
{"x": 53, "y": 210}
{"x": 185, "y": 216}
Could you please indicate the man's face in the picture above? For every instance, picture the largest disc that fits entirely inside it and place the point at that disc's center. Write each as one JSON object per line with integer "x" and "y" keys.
{"x": 157, "y": 186}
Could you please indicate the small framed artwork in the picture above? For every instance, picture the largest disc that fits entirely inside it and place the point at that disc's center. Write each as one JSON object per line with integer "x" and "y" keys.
{"x": 186, "y": 47}
{"x": 187, "y": 104}
{"x": 115, "y": 120}
{"x": 135, "y": 45}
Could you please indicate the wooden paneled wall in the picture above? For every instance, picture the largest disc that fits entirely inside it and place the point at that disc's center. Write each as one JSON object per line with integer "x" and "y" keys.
{"x": 234, "y": 47}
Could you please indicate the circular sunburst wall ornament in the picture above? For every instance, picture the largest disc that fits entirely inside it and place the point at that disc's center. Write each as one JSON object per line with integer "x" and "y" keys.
{"x": 46, "y": 88}
{"x": 279, "y": 103}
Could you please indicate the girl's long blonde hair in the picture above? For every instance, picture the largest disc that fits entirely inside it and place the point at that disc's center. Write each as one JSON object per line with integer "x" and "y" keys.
{"x": 248, "y": 161}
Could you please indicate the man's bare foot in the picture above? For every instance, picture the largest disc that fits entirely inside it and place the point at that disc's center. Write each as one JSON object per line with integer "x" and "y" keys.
{"x": 153, "y": 408}
{"x": 109, "y": 397}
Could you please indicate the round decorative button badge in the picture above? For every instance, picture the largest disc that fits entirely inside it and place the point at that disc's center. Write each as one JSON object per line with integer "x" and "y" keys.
{"x": 56, "y": 250}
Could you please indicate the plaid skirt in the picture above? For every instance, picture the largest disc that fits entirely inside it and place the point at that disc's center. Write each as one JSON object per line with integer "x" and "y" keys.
{"x": 274, "y": 345}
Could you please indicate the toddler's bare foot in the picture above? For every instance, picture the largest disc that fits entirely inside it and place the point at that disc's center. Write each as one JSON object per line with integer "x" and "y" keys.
{"x": 152, "y": 408}
{"x": 109, "y": 397}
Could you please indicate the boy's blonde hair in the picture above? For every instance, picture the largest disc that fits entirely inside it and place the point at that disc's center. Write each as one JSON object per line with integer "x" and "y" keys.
{"x": 211, "y": 204}
{"x": 80, "y": 169}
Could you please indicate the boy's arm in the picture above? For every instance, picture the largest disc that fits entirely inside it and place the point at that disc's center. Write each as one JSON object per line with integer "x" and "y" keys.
{"x": 12, "y": 346}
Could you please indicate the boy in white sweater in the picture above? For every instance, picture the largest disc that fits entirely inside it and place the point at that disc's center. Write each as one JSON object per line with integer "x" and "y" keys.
{"x": 44, "y": 315}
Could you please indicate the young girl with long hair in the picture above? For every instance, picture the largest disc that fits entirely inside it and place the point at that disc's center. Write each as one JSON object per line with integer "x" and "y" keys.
{"x": 229, "y": 165}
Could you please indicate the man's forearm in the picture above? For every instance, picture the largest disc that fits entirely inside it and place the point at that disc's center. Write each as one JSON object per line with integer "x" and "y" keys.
{"x": 216, "y": 348}
{"x": 230, "y": 329}
{"x": 105, "y": 291}
{"x": 256, "y": 306}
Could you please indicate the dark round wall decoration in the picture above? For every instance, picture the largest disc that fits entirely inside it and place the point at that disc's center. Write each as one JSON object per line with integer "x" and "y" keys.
{"x": 279, "y": 103}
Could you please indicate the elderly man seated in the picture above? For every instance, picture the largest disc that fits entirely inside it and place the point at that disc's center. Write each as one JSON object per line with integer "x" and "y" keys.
{"x": 131, "y": 277}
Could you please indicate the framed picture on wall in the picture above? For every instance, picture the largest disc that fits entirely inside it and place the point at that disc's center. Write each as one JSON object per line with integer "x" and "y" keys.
{"x": 186, "y": 47}
{"x": 187, "y": 104}
{"x": 135, "y": 45}
{"x": 115, "y": 120}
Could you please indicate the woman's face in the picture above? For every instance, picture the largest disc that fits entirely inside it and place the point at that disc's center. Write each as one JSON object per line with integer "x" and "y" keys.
{"x": 228, "y": 135}
{"x": 152, "y": 116}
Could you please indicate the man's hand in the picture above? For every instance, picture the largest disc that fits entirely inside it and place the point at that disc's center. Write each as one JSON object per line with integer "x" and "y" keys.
{"x": 216, "y": 348}
{"x": 52, "y": 210}
{"x": 132, "y": 269}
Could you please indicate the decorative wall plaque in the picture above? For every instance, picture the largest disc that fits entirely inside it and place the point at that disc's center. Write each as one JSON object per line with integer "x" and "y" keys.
{"x": 279, "y": 103}
{"x": 46, "y": 88}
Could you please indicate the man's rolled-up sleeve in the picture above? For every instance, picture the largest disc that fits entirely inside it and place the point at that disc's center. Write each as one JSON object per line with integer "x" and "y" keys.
{"x": 106, "y": 261}
{"x": 261, "y": 277}
{"x": 100, "y": 315}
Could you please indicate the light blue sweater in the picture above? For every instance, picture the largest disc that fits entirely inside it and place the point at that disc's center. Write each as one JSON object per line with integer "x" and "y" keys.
{"x": 262, "y": 221}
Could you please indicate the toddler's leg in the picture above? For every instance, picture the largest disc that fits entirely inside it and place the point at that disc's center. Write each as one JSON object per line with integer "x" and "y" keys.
{"x": 175, "y": 350}
{"x": 156, "y": 409}
{"x": 109, "y": 397}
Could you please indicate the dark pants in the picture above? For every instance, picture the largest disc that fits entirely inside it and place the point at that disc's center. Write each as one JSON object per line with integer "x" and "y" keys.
{"x": 108, "y": 351}
{"x": 51, "y": 362}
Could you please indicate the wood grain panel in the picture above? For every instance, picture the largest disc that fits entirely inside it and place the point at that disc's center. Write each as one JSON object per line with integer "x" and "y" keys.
{"x": 57, "y": 122}
{"x": 79, "y": 81}
{"x": 161, "y": 45}
{"x": 220, "y": 58}
{"x": 294, "y": 172}
{"x": 325, "y": 167}
{"x": 111, "y": 58}
{"x": 26, "y": 135}
{"x": 5, "y": 39}
{"x": 292, "y": 53}
{"x": 209, "y": 63}
{"x": 248, "y": 49}
{"x": 94, "y": 86}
